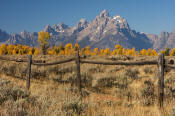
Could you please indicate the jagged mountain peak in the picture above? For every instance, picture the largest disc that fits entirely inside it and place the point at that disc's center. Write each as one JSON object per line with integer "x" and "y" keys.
{"x": 121, "y": 22}
{"x": 104, "y": 13}
{"x": 62, "y": 25}
{"x": 83, "y": 20}
{"x": 118, "y": 19}
{"x": 47, "y": 28}
{"x": 82, "y": 23}
{"x": 23, "y": 32}
{"x": 164, "y": 34}
{"x": 104, "y": 31}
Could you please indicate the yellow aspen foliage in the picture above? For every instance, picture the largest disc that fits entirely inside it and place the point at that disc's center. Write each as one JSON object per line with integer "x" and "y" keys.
{"x": 137, "y": 53}
{"x": 114, "y": 52}
{"x": 102, "y": 51}
{"x": 3, "y": 49}
{"x": 36, "y": 52}
{"x": 69, "y": 49}
{"x": 54, "y": 51}
{"x": 10, "y": 49}
{"x": 96, "y": 51}
{"x": 143, "y": 52}
{"x": 148, "y": 53}
{"x": 154, "y": 53}
{"x": 107, "y": 51}
{"x": 76, "y": 47}
{"x": 43, "y": 37}
{"x": 14, "y": 52}
{"x": 82, "y": 51}
{"x": 68, "y": 46}
{"x": 31, "y": 51}
{"x": 62, "y": 52}
{"x": 162, "y": 52}
{"x": 119, "y": 50}
{"x": 50, "y": 52}
{"x": 43, "y": 40}
{"x": 118, "y": 46}
{"x": 167, "y": 51}
{"x": 172, "y": 53}
{"x": 133, "y": 52}
{"x": 123, "y": 51}
{"x": 128, "y": 52}
{"x": 87, "y": 50}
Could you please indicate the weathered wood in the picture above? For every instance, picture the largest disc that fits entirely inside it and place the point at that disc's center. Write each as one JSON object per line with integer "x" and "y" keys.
{"x": 161, "y": 66}
{"x": 170, "y": 66}
{"x": 171, "y": 61}
{"x": 78, "y": 71}
{"x": 121, "y": 63}
{"x": 54, "y": 63}
{"x": 10, "y": 59}
{"x": 20, "y": 59}
{"x": 29, "y": 71}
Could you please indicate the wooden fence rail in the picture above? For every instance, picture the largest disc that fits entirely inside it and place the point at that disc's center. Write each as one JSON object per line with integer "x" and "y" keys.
{"x": 120, "y": 63}
{"x": 20, "y": 60}
{"x": 160, "y": 62}
{"x": 170, "y": 66}
{"x": 53, "y": 63}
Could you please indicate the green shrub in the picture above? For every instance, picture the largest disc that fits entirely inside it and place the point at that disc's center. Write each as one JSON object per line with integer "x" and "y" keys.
{"x": 133, "y": 73}
{"x": 148, "y": 70}
{"x": 7, "y": 92}
{"x": 74, "y": 107}
{"x": 107, "y": 81}
{"x": 147, "y": 93}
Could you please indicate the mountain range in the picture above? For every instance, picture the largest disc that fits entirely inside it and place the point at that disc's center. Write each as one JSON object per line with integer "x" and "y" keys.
{"x": 104, "y": 31}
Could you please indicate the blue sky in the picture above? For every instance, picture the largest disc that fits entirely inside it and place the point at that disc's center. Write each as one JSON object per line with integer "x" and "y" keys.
{"x": 150, "y": 16}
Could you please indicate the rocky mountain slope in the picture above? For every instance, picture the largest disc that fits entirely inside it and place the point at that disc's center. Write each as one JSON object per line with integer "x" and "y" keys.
{"x": 164, "y": 40}
{"x": 102, "y": 32}
{"x": 3, "y": 36}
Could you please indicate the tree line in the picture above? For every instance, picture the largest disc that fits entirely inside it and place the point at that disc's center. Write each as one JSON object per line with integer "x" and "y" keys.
{"x": 69, "y": 49}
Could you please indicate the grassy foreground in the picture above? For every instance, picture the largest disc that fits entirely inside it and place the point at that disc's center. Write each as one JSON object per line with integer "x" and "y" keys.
{"x": 107, "y": 90}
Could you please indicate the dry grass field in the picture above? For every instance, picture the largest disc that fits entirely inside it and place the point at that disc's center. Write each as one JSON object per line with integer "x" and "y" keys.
{"x": 107, "y": 90}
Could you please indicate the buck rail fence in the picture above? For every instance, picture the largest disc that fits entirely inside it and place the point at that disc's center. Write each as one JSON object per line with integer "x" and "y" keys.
{"x": 160, "y": 62}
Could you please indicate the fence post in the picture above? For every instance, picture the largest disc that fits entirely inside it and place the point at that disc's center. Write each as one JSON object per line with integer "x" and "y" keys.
{"x": 78, "y": 71}
{"x": 161, "y": 65}
{"x": 29, "y": 71}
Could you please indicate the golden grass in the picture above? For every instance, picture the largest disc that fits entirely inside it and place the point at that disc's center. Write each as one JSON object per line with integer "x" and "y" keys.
{"x": 123, "y": 98}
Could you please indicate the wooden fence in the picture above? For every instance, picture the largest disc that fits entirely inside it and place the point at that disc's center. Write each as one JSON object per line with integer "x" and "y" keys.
{"x": 160, "y": 62}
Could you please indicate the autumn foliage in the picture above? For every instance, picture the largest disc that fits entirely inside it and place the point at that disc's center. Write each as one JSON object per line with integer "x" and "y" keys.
{"x": 70, "y": 49}
{"x": 17, "y": 50}
{"x": 43, "y": 40}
